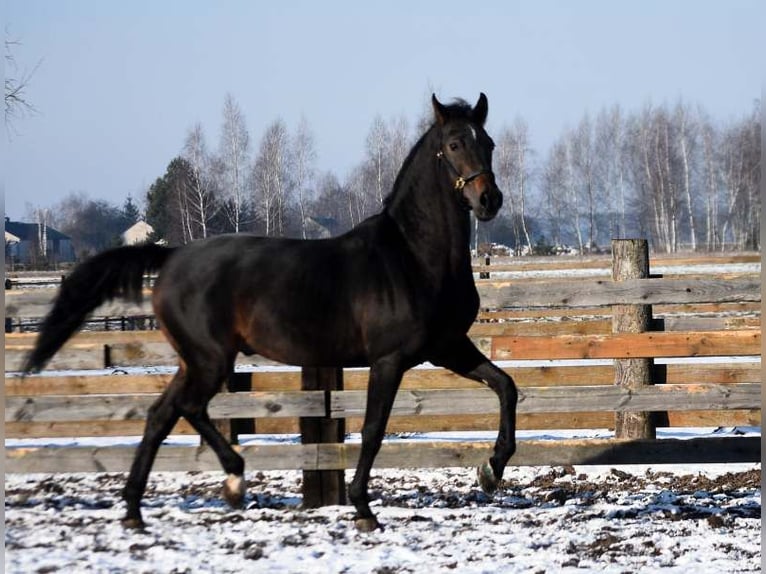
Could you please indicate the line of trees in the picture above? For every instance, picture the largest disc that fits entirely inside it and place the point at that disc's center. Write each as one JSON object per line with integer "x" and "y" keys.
{"x": 668, "y": 173}
{"x": 273, "y": 188}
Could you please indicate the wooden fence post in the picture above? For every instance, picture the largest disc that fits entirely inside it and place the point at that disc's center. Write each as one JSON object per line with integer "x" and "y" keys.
{"x": 485, "y": 274}
{"x": 323, "y": 487}
{"x": 630, "y": 260}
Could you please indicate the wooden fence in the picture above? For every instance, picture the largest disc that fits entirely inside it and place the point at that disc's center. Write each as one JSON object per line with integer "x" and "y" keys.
{"x": 526, "y": 322}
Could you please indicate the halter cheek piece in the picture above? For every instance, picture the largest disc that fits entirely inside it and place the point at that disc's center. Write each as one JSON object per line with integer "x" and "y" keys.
{"x": 460, "y": 181}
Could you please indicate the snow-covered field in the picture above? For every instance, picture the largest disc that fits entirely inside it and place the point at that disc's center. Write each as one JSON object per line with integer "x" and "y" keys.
{"x": 543, "y": 519}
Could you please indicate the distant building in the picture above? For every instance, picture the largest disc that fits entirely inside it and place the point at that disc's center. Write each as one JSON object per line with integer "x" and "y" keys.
{"x": 137, "y": 233}
{"x": 35, "y": 244}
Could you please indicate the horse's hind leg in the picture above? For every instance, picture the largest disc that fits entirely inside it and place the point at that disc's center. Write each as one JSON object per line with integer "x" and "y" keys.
{"x": 207, "y": 370}
{"x": 233, "y": 464}
{"x": 161, "y": 419}
{"x": 187, "y": 395}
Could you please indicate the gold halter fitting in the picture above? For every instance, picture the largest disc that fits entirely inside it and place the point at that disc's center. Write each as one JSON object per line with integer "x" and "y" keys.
{"x": 461, "y": 181}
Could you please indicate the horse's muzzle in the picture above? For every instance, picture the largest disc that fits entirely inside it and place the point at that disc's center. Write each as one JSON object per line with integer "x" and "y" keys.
{"x": 490, "y": 202}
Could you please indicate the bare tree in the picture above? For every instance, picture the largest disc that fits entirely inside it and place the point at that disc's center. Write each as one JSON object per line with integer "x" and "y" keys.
{"x": 360, "y": 199}
{"x": 583, "y": 163}
{"x": 399, "y": 145}
{"x": 513, "y": 170}
{"x": 686, "y": 143}
{"x": 17, "y": 81}
{"x": 200, "y": 203}
{"x": 655, "y": 193}
{"x": 303, "y": 157}
{"x": 234, "y": 152}
{"x": 610, "y": 168}
{"x": 741, "y": 154}
{"x": 377, "y": 144}
{"x": 710, "y": 144}
{"x": 270, "y": 179}
{"x": 387, "y": 146}
{"x": 551, "y": 186}
{"x": 570, "y": 189}
{"x": 561, "y": 196}
{"x": 331, "y": 204}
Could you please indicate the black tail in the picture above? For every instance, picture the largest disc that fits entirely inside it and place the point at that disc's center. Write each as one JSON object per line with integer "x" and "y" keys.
{"x": 116, "y": 273}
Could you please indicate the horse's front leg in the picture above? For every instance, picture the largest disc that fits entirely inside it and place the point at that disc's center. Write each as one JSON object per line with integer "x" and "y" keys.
{"x": 385, "y": 376}
{"x": 465, "y": 359}
{"x": 490, "y": 473}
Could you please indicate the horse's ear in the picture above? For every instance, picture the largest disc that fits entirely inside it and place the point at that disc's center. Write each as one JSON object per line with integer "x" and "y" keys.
{"x": 440, "y": 112}
{"x": 480, "y": 110}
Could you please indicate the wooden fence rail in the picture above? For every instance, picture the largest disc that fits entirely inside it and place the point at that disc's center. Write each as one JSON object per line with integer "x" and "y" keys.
{"x": 140, "y": 352}
{"x": 344, "y": 404}
{"x": 501, "y": 294}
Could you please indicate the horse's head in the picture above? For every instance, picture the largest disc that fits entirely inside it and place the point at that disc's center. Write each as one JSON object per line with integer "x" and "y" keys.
{"x": 465, "y": 152}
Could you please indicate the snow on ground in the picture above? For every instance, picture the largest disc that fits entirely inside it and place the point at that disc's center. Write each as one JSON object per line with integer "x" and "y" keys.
{"x": 679, "y": 518}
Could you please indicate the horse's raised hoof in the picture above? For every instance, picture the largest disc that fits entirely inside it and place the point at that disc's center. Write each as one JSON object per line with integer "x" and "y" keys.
{"x": 367, "y": 524}
{"x": 487, "y": 479}
{"x": 234, "y": 489}
{"x": 133, "y": 523}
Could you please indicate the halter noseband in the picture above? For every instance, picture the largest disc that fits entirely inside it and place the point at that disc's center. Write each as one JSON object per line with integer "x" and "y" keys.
{"x": 461, "y": 181}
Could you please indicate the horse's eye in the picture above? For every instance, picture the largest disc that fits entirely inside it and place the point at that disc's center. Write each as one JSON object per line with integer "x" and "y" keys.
{"x": 453, "y": 146}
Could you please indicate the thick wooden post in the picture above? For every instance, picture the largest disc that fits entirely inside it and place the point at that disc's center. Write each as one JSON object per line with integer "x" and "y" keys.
{"x": 630, "y": 260}
{"x": 323, "y": 487}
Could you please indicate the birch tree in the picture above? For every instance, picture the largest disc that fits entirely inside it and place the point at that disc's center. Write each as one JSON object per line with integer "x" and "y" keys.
{"x": 583, "y": 160}
{"x": 377, "y": 144}
{"x": 201, "y": 201}
{"x": 234, "y": 151}
{"x": 303, "y": 157}
{"x": 387, "y": 145}
{"x": 709, "y": 139}
{"x": 271, "y": 179}
{"x": 741, "y": 153}
{"x": 513, "y": 170}
{"x": 686, "y": 138}
{"x": 610, "y": 168}
{"x": 551, "y": 186}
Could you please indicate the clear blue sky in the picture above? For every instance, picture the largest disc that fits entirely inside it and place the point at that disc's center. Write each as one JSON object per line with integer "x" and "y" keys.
{"x": 122, "y": 81}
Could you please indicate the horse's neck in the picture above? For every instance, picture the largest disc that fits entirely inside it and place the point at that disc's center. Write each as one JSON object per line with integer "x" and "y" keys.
{"x": 435, "y": 228}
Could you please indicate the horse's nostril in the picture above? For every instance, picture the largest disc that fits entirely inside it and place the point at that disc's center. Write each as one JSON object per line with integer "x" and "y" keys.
{"x": 484, "y": 200}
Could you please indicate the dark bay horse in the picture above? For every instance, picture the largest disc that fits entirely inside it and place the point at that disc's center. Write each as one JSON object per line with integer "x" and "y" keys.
{"x": 395, "y": 291}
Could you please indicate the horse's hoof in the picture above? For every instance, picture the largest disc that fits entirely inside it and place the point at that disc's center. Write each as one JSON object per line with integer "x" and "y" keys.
{"x": 234, "y": 489}
{"x": 367, "y": 524}
{"x": 487, "y": 479}
{"x": 133, "y": 523}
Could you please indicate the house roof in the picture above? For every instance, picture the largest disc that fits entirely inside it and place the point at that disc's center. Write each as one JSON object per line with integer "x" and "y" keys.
{"x": 30, "y": 231}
